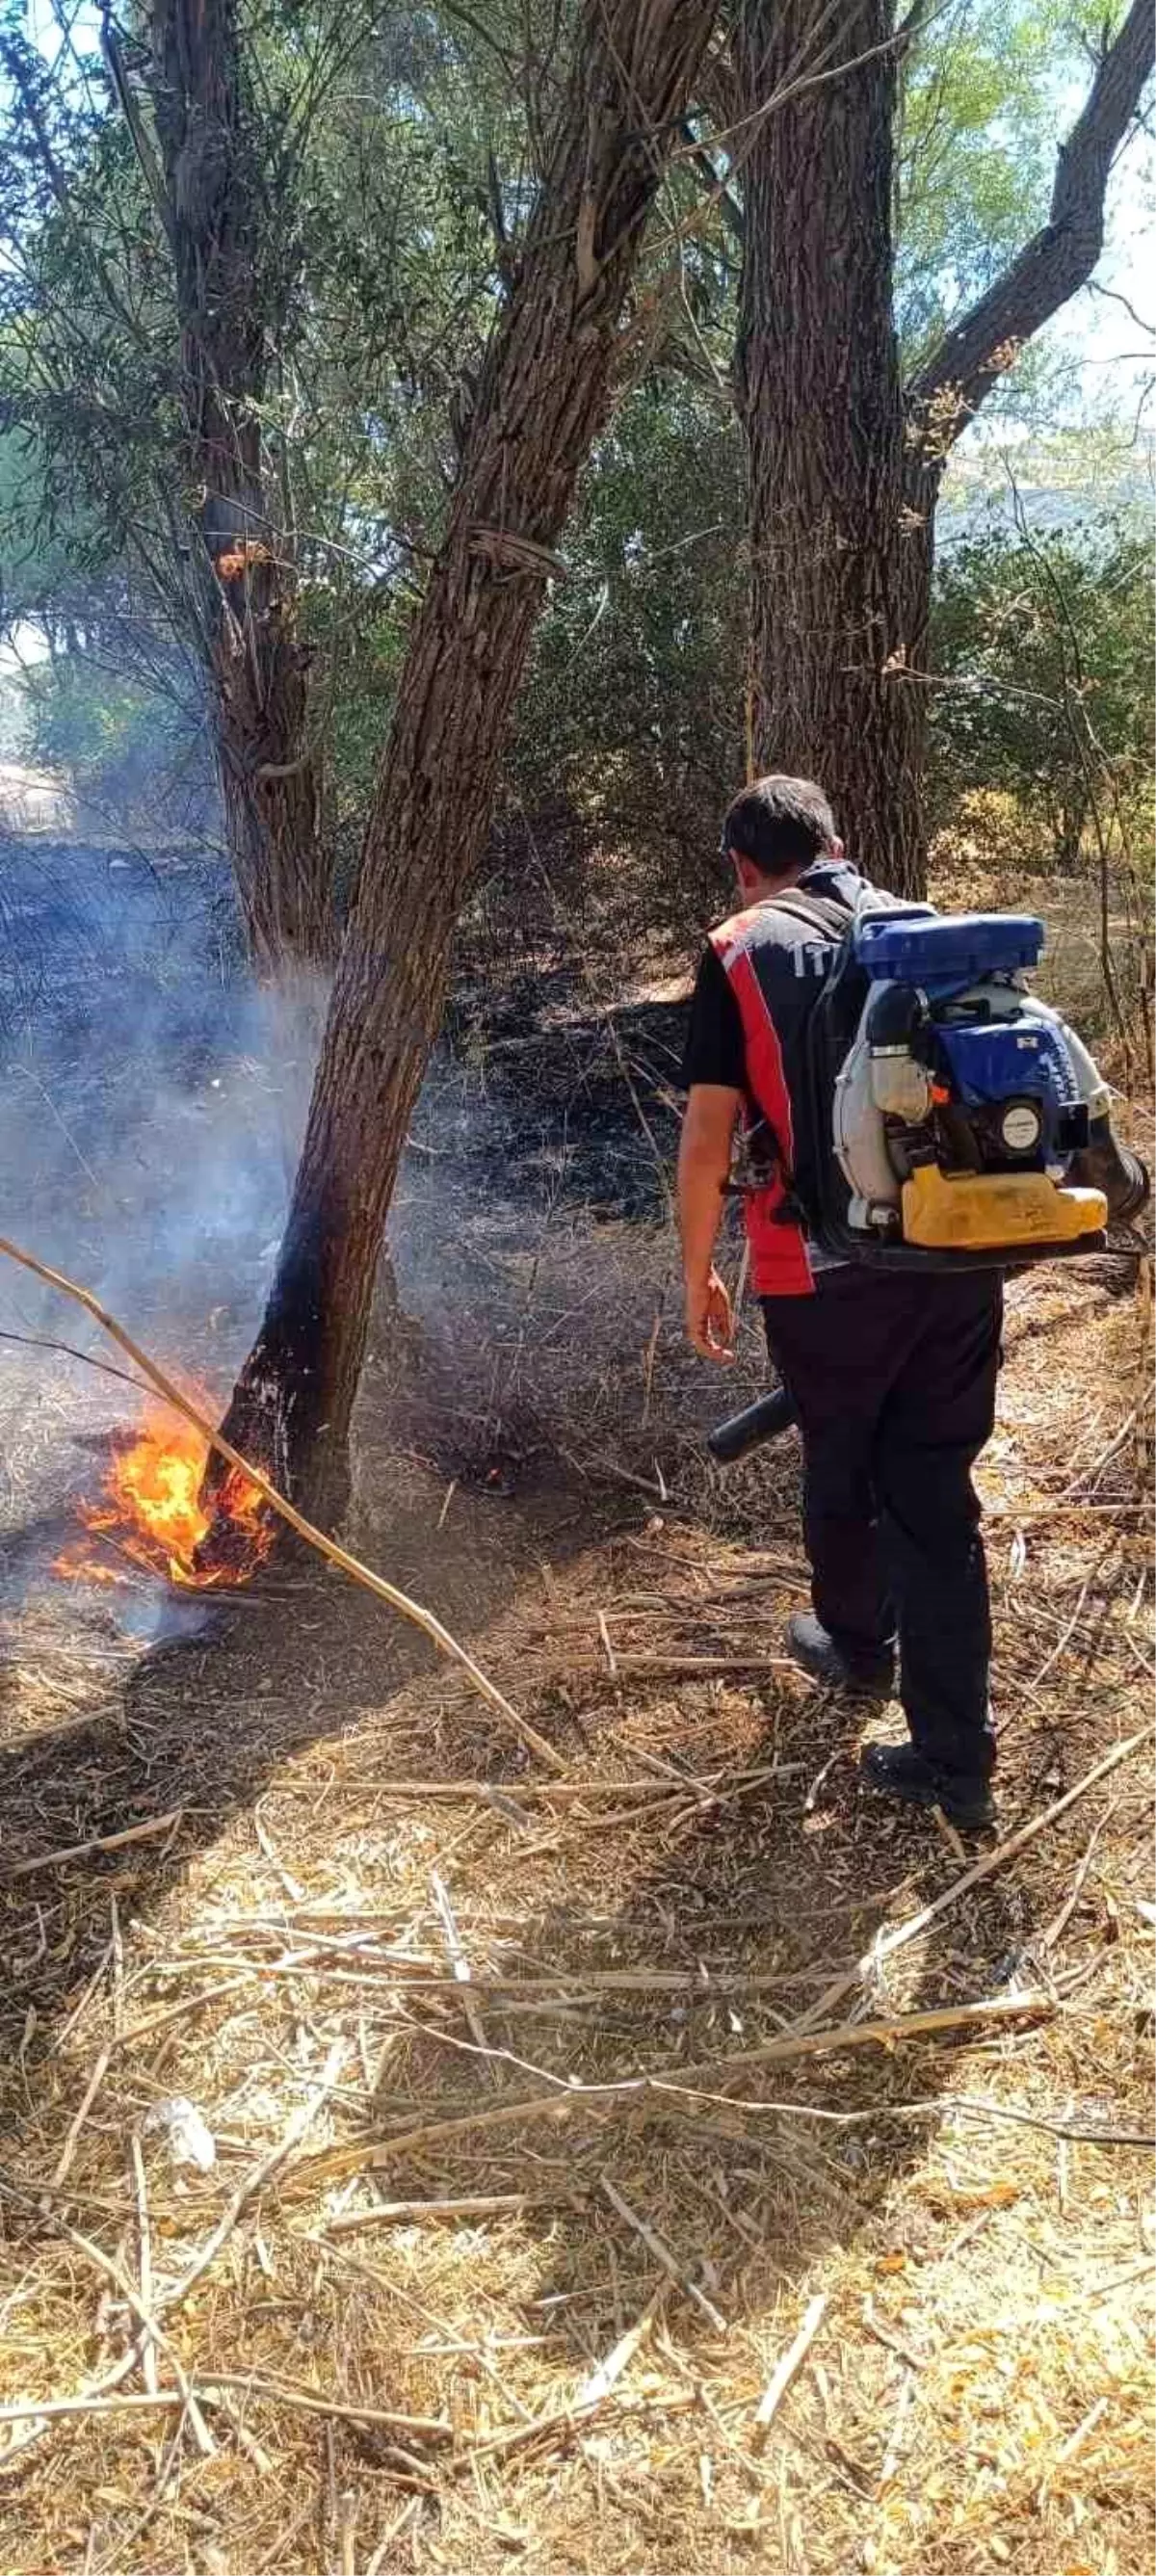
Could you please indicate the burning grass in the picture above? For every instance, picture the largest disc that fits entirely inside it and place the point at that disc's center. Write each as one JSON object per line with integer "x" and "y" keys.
{"x": 151, "y": 1515}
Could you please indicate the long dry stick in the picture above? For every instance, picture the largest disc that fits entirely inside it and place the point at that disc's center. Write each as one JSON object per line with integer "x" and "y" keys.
{"x": 327, "y": 1547}
{"x": 431, "y": 2428}
{"x": 633, "y": 2092}
{"x": 96, "y": 1843}
{"x": 886, "y": 1945}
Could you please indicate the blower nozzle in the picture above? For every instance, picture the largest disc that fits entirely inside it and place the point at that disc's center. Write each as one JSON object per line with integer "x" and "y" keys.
{"x": 765, "y": 1420}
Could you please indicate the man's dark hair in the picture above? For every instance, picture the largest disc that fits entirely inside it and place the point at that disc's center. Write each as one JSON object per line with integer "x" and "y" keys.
{"x": 779, "y": 823}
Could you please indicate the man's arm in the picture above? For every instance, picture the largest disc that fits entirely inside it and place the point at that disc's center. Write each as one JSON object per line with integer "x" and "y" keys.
{"x": 703, "y": 1165}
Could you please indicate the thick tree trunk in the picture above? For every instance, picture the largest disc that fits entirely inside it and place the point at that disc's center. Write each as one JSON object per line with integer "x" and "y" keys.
{"x": 838, "y": 590}
{"x": 229, "y": 266}
{"x": 544, "y": 392}
{"x": 844, "y": 473}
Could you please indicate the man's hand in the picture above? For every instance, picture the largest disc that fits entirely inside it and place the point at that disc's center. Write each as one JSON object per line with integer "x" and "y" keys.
{"x": 710, "y": 1324}
{"x": 703, "y": 1163}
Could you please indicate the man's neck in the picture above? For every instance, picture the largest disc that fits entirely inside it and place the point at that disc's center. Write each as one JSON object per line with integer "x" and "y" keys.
{"x": 769, "y": 887}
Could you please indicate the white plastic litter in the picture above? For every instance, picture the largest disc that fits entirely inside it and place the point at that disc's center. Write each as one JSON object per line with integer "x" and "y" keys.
{"x": 185, "y": 2131}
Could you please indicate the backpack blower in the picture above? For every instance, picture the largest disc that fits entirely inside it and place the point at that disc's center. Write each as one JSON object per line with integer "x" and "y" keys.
{"x": 952, "y": 1119}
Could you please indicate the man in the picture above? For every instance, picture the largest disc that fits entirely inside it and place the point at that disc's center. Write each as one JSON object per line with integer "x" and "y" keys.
{"x": 892, "y": 1375}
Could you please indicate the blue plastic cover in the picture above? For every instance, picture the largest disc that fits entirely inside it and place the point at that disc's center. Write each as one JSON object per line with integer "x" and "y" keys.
{"x": 1002, "y": 1058}
{"x": 952, "y": 949}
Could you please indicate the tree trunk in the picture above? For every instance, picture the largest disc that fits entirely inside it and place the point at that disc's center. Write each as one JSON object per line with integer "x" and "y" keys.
{"x": 844, "y": 472}
{"x": 837, "y": 602}
{"x": 224, "y": 233}
{"x": 545, "y": 390}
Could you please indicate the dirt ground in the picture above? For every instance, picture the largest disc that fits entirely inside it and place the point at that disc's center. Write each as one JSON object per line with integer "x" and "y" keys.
{"x": 669, "y": 2160}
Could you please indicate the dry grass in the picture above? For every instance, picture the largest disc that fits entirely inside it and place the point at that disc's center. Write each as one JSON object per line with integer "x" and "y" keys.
{"x": 401, "y": 2324}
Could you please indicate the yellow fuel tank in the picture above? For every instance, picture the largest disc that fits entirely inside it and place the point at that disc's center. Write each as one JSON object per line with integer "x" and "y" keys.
{"x": 983, "y": 1211}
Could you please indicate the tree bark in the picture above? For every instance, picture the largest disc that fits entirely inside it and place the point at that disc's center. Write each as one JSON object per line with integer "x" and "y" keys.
{"x": 229, "y": 263}
{"x": 844, "y": 470}
{"x": 820, "y": 401}
{"x": 546, "y": 387}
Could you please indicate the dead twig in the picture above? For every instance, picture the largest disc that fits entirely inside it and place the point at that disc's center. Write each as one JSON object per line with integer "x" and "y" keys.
{"x": 23, "y": 2410}
{"x": 152, "y": 2332}
{"x": 633, "y": 2091}
{"x": 784, "y": 2371}
{"x": 96, "y": 1843}
{"x": 63, "y": 2163}
{"x": 667, "y": 2261}
{"x": 419, "y": 2213}
{"x": 455, "y": 1950}
{"x": 609, "y": 2372}
{"x": 255, "y": 2181}
{"x": 144, "y": 2261}
{"x": 887, "y": 1943}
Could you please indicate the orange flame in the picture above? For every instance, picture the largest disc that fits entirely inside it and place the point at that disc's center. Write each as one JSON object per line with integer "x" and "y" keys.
{"x": 152, "y": 1513}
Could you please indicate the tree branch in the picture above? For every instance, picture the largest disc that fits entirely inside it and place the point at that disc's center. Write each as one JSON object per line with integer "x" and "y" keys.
{"x": 1052, "y": 265}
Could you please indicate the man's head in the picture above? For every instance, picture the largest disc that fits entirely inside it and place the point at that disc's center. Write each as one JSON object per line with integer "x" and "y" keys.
{"x": 774, "y": 830}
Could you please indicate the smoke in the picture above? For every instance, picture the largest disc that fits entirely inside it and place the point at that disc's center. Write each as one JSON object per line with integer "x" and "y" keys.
{"x": 151, "y": 1105}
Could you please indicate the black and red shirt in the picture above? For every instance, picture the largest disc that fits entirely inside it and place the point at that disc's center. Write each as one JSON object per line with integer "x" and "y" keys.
{"x": 758, "y": 978}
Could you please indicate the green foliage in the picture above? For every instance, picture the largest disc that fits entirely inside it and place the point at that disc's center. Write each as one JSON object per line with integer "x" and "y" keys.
{"x": 633, "y": 710}
{"x": 401, "y": 149}
{"x": 1042, "y": 645}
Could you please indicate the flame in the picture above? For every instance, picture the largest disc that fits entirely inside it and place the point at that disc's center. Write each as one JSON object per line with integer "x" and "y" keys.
{"x": 151, "y": 1512}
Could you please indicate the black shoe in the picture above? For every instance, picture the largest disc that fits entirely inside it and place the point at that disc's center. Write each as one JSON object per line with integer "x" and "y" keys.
{"x": 898, "y": 1771}
{"x": 809, "y": 1645}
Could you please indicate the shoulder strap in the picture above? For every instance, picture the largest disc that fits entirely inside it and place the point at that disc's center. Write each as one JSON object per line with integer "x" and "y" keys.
{"x": 818, "y": 911}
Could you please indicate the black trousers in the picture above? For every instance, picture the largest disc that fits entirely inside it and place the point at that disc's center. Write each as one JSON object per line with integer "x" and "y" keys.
{"x": 893, "y": 1380}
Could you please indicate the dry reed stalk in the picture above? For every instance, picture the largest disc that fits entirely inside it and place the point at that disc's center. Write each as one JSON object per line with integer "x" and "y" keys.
{"x": 63, "y": 2164}
{"x": 668, "y": 2262}
{"x": 97, "y": 1843}
{"x": 376, "y": 1583}
{"x": 886, "y": 1944}
{"x": 632, "y": 2092}
{"x": 784, "y": 2371}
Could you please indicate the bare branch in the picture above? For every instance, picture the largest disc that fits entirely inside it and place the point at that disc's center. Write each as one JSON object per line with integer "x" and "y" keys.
{"x": 1051, "y": 267}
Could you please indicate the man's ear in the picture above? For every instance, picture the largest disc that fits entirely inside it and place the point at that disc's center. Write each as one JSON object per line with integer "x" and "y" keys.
{"x": 746, "y": 872}
{"x": 838, "y": 848}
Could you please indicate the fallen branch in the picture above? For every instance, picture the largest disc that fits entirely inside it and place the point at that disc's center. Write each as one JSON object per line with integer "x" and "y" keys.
{"x": 327, "y": 1547}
